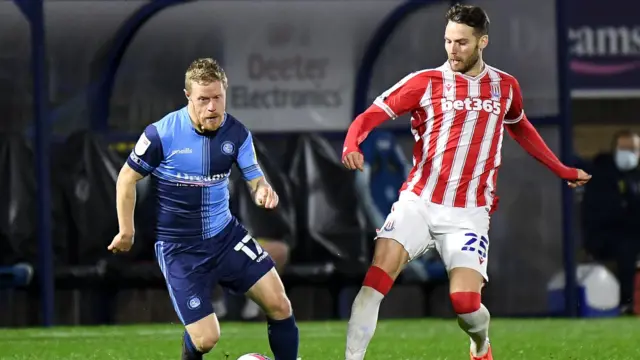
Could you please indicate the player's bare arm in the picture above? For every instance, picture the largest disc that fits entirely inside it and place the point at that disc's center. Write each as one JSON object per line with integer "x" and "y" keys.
{"x": 263, "y": 193}
{"x": 530, "y": 140}
{"x": 125, "y": 204}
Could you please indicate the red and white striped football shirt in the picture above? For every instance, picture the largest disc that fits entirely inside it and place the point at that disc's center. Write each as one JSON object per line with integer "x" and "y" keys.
{"x": 457, "y": 122}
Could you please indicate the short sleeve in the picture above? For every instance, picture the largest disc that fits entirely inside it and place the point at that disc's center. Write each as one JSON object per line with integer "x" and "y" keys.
{"x": 247, "y": 160}
{"x": 148, "y": 153}
{"x": 405, "y": 95}
{"x": 515, "y": 109}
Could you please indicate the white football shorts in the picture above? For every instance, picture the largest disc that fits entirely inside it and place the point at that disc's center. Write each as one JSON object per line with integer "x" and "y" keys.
{"x": 460, "y": 235}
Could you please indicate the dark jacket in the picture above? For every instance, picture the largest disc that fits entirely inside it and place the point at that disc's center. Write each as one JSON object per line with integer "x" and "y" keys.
{"x": 611, "y": 206}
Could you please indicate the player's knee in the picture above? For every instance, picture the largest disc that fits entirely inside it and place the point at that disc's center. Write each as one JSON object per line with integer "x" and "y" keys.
{"x": 204, "y": 333}
{"x": 205, "y": 342}
{"x": 280, "y": 308}
{"x": 463, "y": 279}
{"x": 465, "y": 302}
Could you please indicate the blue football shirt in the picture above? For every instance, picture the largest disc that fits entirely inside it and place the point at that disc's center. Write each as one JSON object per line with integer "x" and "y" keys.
{"x": 191, "y": 173}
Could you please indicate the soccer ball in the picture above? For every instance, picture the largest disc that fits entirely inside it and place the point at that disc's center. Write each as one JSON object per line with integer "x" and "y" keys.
{"x": 253, "y": 357}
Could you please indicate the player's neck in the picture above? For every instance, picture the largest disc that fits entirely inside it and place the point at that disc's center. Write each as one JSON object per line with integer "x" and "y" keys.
{"x": 476, "y": 69}
{"x": 191, "y": 117}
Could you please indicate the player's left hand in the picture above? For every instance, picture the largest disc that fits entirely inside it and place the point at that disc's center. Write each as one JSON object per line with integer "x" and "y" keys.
{"x": 121, "y": 243}
{"x": 581, "y": 180}
{"x": 353, "y": 160}
{"x": 266, "y": 197}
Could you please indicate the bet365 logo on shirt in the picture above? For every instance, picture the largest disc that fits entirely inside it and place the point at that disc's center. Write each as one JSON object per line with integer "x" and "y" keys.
{"x": 472, "y": 104}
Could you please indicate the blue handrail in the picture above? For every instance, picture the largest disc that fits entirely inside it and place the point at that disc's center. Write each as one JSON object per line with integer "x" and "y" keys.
{"x": 376, "y": 46}
{"x": 34, "y": 12}
{"x": 99, "y": 103}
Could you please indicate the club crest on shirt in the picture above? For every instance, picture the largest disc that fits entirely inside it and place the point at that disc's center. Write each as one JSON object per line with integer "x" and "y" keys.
{"x": 388, "y": 225}
{"x": 228, "y": 148}
{"x": 495, "y": 91}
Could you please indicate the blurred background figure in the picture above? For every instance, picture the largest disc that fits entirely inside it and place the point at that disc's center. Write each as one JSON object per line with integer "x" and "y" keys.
{"x": 611, "y": 209}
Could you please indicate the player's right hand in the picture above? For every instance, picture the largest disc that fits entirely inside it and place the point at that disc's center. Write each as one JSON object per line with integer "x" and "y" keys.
{"x": 353, "y": 160}
{"x": 581, "y": 180}
{"x": 121, "y": 243}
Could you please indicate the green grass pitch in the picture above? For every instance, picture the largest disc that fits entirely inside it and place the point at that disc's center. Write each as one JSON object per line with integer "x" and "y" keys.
{"x": 612, "y": 339}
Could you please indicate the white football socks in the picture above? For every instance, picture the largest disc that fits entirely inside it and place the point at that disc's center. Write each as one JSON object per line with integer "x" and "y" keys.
{"x": 476, "y": 325}
{"x": 362, "y": 324}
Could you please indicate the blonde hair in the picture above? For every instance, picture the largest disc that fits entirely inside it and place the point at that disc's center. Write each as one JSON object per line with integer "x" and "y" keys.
{"x": 204, "y": 71}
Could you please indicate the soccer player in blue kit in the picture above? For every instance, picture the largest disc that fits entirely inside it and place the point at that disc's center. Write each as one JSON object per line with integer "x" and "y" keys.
{"x": 189, "y": 154}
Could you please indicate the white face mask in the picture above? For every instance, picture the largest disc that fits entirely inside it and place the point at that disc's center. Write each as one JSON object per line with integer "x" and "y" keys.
{"x": 626, "y": 160}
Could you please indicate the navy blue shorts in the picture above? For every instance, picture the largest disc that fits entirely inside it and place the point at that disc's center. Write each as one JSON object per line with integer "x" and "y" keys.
{"x": 232, "y": 259}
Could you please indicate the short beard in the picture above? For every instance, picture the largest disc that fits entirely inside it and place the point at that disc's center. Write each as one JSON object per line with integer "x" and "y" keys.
{"x": 473, "y": 60}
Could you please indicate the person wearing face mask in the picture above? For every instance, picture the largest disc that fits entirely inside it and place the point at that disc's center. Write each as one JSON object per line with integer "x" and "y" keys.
{"x": 611, "y": 209}
{"x": 626, "y": 159}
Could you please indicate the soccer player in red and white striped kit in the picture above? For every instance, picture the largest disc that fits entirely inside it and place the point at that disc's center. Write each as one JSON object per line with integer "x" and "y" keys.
{"x": 459, "y": 113}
